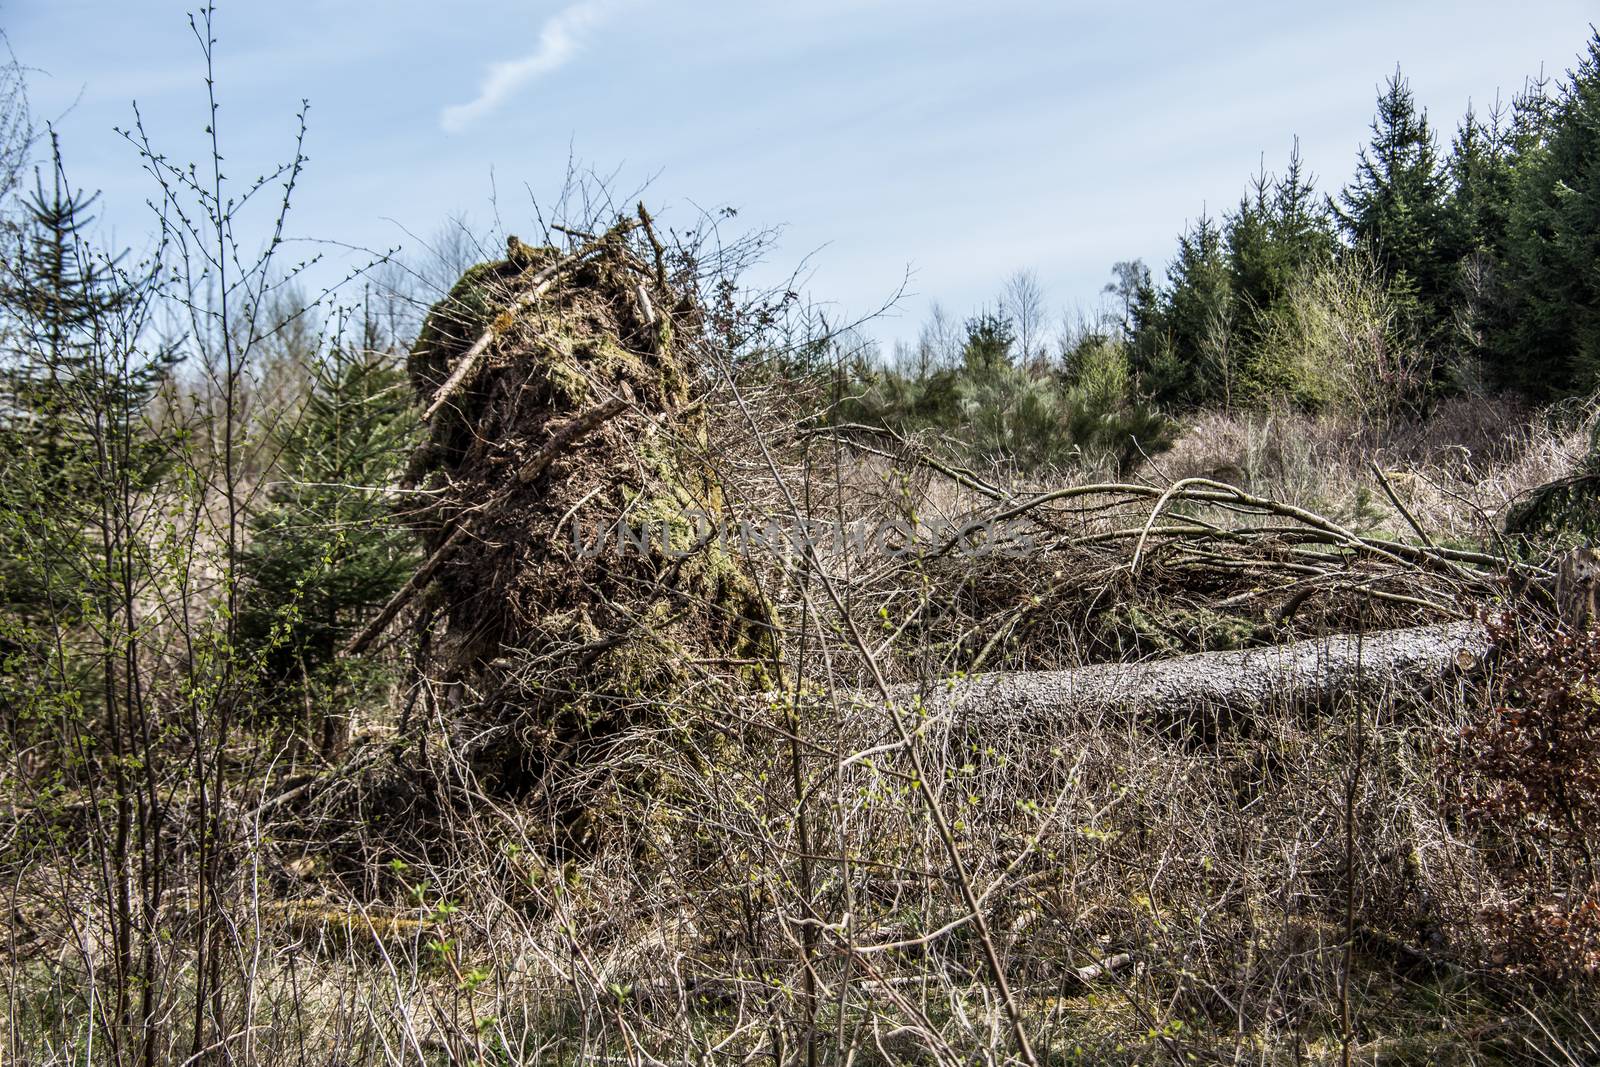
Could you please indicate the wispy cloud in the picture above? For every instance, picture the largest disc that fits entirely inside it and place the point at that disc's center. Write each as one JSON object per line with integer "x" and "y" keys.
{"x": 560, "y": 39}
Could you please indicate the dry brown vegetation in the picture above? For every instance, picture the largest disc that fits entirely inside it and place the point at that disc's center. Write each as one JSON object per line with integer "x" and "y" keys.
{"x": 689, "y": 799}
{"x": 825, "y": 867}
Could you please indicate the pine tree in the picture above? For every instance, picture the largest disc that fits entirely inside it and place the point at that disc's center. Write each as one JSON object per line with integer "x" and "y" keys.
{"x": 1475, "y": 226}
{"x": 1302, "y": 225}
{"x": 1533, "y": 116}
{"x": 990, "y": 386}
{"x": 1172, "y": 329}
{"x": 990, "y": 340}
{"x": 78, "y": 458}
{"x": 1255, "y": 263}
{"x": 326, "y": 549}
{"x": 1279, "y": 232}
{"x": 56, "y": 295}
{"x": 1396, "y": 205}
{"x": 1001, "y": 409}
{"x": 1480, "y": 173}
{"x": 1547, "y": 343}
{"x": 61, "y": 389}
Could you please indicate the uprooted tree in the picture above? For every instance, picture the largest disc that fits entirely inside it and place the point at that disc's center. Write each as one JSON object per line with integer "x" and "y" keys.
{"x": 573, "y": 584}
{"x": 570, "y": 587}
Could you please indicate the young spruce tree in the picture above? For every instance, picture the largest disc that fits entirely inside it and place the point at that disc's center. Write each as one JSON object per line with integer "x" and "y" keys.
{"x": 75, "y": 386}
{"x": 1396, "y": 208}
{"x": 326, "y": 550}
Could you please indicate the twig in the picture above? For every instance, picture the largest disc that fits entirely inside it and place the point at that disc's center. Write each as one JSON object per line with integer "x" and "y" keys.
{"x": 1405, "y": 513}
{"x": 419, "y": 579}
{"x": 959, "y": 475}
{"x": 656, "y": 246}
{"x": 571, "y": 431}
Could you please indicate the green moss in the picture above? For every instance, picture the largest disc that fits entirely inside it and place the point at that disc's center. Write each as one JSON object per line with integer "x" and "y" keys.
{"x": 567, "y": 380}
{"x": 465, "y": 312}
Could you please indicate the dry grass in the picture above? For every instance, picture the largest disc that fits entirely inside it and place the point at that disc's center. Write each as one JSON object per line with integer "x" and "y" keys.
{"x": 779, "y": 880}
{"x": 1457, "y": 472}
{"x": 1213, "y": 871}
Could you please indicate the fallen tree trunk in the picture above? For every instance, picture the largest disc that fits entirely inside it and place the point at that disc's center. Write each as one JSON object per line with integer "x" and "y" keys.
{"x": 1207, "y": 685}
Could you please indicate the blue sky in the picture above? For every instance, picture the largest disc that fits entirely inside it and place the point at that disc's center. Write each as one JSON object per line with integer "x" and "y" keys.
{"x": 960, "y": 141}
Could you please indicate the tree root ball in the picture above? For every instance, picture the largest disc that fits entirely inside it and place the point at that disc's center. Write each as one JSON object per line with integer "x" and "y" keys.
{"x": 569, "y": 463}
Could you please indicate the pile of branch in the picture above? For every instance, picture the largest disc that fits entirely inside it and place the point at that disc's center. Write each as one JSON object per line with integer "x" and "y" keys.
{"x": 1122, "y": 571}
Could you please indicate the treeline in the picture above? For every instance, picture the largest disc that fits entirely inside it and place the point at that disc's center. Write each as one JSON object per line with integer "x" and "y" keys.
{"x": 1435, "y": 270}
{"x": 1032, "y": 413}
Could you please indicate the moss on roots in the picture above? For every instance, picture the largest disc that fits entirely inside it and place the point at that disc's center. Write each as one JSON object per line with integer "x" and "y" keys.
{"x": 587, "y": 597}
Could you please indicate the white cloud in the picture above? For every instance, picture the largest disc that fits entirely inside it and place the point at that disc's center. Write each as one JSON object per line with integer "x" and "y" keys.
{"x": 560, "y": 39}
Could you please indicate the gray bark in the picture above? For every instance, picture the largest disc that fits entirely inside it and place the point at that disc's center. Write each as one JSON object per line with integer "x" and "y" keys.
{"x": 1208, "y": 685}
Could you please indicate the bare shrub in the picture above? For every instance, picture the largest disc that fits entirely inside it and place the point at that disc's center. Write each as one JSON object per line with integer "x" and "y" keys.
{"x": 1338, "y": 344}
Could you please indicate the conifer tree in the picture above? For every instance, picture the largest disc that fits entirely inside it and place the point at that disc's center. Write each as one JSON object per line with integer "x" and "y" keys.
{"x": 1303, "y": 226}
{"x": 1480, "y": 173}
{"x": 1203, "y": 338}
{"x": 56, "y": 295}
{"x": 990, "y": 340}
{"x": 78, "y": 458}
{"x": 1172, "y": 328}
{"x": 1548, "y": 341}
{"x": 326, "y": 549}
{"x": 1396, "y": 205}
{"x": 990, "y": 390}
{"x": 1279, "y": 230}
{"x": 1474, "y": 232}
{"x": 62, "y": 391}
{"x": 1255, "y": 264}
{"x": 1002, "y": 409}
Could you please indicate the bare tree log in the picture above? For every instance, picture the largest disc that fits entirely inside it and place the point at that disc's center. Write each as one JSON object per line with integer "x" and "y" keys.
{"x": 1105, "y": 968}
{"x": 1314, "y": 671}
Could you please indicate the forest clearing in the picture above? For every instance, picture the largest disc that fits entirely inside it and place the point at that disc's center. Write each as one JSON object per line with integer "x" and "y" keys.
{"x": 564, "y": 649}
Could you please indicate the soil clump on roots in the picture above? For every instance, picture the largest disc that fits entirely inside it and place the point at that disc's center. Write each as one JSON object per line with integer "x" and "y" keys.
{"x": 569, "y": 504}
